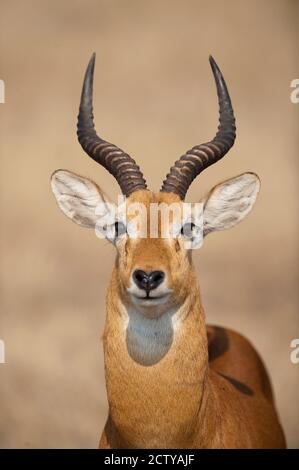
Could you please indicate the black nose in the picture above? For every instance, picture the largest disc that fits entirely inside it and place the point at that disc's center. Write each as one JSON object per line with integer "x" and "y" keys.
{"x": 148, "y": 281}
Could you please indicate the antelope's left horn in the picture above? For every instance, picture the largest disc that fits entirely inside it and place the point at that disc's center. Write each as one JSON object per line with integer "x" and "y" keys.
{"x": 193, "y": 162}
{"x": 115, "y": 160}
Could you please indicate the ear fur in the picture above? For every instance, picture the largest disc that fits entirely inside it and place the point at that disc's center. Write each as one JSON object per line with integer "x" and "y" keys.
{"x": 229, "y": 202}
{"x": 78, "y": 198}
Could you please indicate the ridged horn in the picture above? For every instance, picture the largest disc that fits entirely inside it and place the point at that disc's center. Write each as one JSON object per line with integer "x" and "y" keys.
{"x": 194, "y": 161}
{"x": 115, "y": 160}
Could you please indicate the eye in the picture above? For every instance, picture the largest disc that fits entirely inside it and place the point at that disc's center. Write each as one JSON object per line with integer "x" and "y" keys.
{"x": 120, "y": 228}
{"x": 187, "y": 229}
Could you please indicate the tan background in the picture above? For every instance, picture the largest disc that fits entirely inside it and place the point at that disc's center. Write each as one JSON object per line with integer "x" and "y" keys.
{"x": 155, "y": 97}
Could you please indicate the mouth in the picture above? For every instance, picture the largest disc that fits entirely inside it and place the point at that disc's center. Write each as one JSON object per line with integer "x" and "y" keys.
{"x": 148, "y": 300}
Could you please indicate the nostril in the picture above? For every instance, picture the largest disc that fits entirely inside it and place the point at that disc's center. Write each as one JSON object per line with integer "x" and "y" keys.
{"x": 155, "y": 279}
{"x": 157, "y": 276}
{"x": 141, "y": 278}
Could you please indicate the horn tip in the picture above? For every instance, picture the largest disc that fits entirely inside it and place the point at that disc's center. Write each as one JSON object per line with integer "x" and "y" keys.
{"x": 213, "y": 63}
{"x": 92, "y": 60}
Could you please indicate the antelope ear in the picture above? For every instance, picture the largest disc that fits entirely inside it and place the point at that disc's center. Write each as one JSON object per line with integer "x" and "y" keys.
{"x": 229, "y": 202}
{"x": 79, "y": 198}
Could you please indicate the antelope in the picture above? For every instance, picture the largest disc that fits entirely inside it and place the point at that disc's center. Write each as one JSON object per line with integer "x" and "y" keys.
{"x": 172, "y": 381}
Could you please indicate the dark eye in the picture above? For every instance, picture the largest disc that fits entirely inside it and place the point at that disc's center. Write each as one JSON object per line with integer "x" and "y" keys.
{"x": 120, "y": 228}
{"x": 187, "y": 229}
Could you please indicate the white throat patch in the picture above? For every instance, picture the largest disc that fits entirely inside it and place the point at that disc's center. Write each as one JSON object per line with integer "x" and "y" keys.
{"x": 149, "y": 339}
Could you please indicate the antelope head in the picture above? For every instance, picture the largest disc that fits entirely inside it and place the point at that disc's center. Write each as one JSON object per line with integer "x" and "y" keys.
{"x": 154, "y": 273}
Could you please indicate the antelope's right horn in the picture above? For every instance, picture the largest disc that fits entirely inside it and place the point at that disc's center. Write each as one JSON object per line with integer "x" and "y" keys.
{"x": 115, "y": 160}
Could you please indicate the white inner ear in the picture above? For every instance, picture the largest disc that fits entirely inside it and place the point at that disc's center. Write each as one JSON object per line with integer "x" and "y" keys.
{"x": 229, "y": 202}
{"x": 79, "y": 198}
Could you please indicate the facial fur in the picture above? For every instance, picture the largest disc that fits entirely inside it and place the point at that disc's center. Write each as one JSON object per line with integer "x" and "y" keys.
{"x": 168, "y": 255}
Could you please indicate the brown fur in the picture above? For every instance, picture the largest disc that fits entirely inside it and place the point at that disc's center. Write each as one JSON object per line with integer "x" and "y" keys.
{"x": 210, "y": 390}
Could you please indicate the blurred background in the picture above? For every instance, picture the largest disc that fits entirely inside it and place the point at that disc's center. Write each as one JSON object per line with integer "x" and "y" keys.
{"x": 154, "y": 97}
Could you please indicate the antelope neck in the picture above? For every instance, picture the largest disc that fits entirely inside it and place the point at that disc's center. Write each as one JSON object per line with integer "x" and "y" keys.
{"x": 156, "y": 373}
